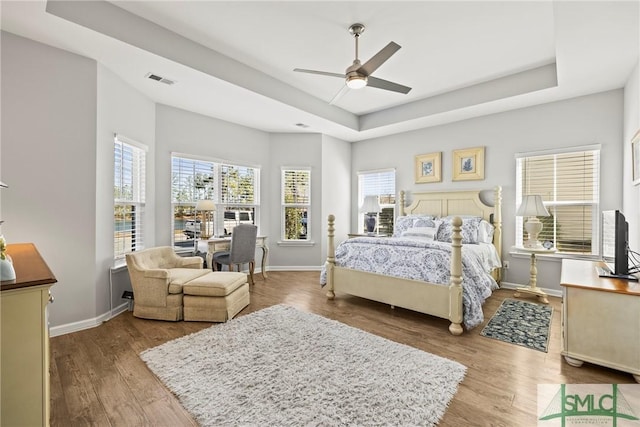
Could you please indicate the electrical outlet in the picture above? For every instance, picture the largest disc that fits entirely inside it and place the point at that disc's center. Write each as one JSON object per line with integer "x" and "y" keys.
{"x": 505, "y": 264}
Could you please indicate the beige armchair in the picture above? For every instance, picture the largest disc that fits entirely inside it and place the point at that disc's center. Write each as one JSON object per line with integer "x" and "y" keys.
{"x": 157, "y": 276}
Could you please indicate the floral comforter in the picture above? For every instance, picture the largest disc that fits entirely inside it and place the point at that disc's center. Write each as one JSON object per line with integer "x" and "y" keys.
{"x": 419, "y": 259}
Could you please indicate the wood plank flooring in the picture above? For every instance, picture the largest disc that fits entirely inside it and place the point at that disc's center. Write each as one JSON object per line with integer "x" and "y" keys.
{"x": 98, "y": 379}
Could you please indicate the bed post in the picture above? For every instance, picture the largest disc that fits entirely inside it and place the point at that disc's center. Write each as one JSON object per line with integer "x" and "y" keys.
{"x": 455, "y": 287}
{"x": 497, "y": 232}
{"x": 331, "y": 257}
{"x": 401, "y": 203}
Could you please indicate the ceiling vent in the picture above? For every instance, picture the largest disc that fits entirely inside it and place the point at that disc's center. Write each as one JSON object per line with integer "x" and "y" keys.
{"x": 159, "y": 79}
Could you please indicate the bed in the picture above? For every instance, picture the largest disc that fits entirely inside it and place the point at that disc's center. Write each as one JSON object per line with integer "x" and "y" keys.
{"x": 443, "y": 299}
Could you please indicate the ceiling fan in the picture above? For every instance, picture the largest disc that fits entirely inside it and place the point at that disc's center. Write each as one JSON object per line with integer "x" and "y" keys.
{"x": 359, "y": 75}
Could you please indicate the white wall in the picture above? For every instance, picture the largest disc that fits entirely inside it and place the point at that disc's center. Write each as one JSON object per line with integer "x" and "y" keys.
{"x": 123, "y": 110}
{"x": 336, "y": 188}
{"x": 631, "y": 207}
{"x": 595, "y": 119}
{"x": 295, "y": 150}
{"x": 49, "y": 161}
{"x": 189, "y": 133}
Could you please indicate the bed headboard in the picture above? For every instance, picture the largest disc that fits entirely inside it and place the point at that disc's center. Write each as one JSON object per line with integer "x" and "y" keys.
{"x": 443, "y": 203}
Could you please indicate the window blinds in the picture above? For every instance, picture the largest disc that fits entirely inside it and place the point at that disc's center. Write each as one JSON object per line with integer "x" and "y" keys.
{"x": 568, "y": 182}
{"x": 128, "y": 195}
{"x": 296, "y": 203}
{"x": 378, "y": 183}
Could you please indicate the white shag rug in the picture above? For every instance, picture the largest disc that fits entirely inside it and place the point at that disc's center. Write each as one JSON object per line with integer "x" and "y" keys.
{"x": 284, "y": 367}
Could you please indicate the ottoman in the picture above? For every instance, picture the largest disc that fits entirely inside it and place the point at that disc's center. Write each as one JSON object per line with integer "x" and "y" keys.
{"x": 215, "y": 297}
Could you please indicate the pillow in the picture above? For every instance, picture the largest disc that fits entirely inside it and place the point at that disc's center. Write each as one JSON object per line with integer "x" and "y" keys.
{"x": 403, "y": 223}
{"x": 424, "y": 221}
{"x": 485, "y": 232}
{"x": 469, "y": 229}
{"x": 427, "y": 233}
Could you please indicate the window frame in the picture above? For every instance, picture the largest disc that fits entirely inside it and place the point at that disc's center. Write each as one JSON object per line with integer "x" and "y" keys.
{"x": 362, "y": 176}
{"x": 137, "y": 201}
{"x": 213, "y": 191}
{"x": 554, "y": 204}
{"x": 284, "y": 205}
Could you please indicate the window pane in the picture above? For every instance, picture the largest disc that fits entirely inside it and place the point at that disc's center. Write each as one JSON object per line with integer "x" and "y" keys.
{"x": 236, "y": 215}
{"x": 296, "y": 187}
{"x": 383, "y": 185}
{"x": 295, "y": 220}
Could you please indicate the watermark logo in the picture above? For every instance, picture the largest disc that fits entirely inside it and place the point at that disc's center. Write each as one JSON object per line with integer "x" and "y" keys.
{"x": 588, "y": 404}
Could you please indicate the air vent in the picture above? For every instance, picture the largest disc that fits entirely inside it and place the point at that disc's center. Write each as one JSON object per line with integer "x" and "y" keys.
{"x": 159, "y": 79}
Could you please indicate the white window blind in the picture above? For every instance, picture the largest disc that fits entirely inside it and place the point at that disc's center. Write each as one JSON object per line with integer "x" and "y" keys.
{"x": 568, "y": 182}
{"x": 233, "y": 188}
{"x": 296, "y": 203}
{"x": 128, "y": 196}
{"x": 381, "y": 183}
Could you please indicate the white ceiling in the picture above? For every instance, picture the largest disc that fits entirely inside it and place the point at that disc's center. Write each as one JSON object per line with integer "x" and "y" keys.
{"x": 235, "y": 60}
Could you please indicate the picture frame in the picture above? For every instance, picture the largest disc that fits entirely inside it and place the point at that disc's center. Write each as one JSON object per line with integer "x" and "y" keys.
{"x": 635, "y": 156}
{"x": 468, "y": 164}
{"x": 428, "y": 167}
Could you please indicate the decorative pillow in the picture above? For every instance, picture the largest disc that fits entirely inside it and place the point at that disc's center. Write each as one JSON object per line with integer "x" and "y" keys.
{"x": 403, "y": 223}
{"x": 469, "y": 229}
{"x": 424, "y": 221}
{"x": 427, "y": 233}
{"x": 485, "y": 232}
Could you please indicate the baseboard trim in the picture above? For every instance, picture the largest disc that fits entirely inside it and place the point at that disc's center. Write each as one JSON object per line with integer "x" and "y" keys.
{"x": 294, "y": 268}
{"x": 550, "y": 292}
{"x": 88, "y": 323}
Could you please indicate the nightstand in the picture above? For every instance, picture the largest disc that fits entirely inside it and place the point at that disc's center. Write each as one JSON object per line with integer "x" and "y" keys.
{"x": 532, "y": 288}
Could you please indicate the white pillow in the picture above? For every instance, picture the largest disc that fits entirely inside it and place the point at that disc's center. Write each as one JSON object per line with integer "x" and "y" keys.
{"x": 485, "y": 232}
{"x": 427, "y": 233}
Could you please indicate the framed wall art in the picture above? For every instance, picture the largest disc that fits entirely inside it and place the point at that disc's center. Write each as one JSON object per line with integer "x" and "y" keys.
{"x": 468, "y": 164}
{"x": 635, "y": 155}
{"x": 428, "y": 167}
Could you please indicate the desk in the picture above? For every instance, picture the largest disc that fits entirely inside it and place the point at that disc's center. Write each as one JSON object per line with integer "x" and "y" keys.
{"x": 600, "y": 318}
{"x": 533, "y": 289}
{"x": 222, "y": 244}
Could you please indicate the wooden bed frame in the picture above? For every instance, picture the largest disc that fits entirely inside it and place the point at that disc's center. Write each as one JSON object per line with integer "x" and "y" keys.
{"x": 433, "y": 299}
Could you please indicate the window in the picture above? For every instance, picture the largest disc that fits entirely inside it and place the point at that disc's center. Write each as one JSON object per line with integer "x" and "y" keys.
{"x": 381, "y": 183}
{"x": 296, "y": 203}
{"x": 233, "y": 189}
{"x": 128, "y": 196}
{"x": 568, "y": 181}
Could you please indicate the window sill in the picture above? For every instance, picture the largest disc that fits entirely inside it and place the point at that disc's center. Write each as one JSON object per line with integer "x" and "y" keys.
{"x": 297, "y": 243}
{"x": 556, "y": 257}
{"x": 118, "y": 265}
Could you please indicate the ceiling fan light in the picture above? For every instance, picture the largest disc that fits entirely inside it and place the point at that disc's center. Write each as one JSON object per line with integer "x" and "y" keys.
{"x": 356, "y": 82}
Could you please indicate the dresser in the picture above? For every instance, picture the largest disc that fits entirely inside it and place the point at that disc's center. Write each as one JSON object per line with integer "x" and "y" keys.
{"x": 24, "y": 339}
{"x": 600, "y": 318}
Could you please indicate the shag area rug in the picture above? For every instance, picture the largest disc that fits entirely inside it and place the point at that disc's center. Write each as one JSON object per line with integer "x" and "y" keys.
{"x": 281, "y": 366}
{"x": 522, "y": 323}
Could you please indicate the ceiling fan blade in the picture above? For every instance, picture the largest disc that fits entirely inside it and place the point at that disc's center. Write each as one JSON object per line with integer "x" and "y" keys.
{"x": 378, "y": 59}
{"x": 387, "y": 85}
{"x": 339, "y": 95}
{"x": 322, "y": 73}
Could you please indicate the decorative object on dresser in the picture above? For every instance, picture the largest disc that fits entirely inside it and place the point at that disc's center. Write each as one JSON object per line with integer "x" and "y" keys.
{"x": 428, "y": 168}
{"x": 468, "y": 164}
{"x": 522, "y": 323}
{"x": 7, "y": 272}
{"x": 600, "y": 318}
{"x": 532, "y": 207}
{"x": 207, "y": 207}
{"x": 283, "y": 366}
{"x": 438, "y": 291}
{"x": 370, "y": 207}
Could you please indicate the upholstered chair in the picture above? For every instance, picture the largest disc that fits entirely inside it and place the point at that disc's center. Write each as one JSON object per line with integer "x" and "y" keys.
{"x": 242, "y": 250}
{"x": 157, "y": 276}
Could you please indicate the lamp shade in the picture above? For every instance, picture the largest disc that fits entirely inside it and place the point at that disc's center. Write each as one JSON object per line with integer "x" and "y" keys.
{"x": 532, "y": 206}
{"x": 205, "y": 205}
{"x": 370, "y": 204}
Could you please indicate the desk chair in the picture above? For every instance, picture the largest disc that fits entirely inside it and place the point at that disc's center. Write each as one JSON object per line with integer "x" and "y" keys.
{"x": 242, "y": 251}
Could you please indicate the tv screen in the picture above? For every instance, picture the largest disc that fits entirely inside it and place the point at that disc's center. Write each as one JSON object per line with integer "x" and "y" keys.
{"x": 615, "y": 245}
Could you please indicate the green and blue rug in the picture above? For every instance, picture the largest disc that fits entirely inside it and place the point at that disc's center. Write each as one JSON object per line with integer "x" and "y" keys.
{"x": 522, "y": 323}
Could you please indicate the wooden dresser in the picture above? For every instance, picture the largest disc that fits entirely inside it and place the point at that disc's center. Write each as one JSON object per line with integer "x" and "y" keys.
{"x": 600, "y": 318}
{"x": 24, "y": 342}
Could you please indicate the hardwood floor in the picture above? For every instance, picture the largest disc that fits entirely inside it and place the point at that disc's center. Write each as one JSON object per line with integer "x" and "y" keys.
{"x": 98, "y": 379}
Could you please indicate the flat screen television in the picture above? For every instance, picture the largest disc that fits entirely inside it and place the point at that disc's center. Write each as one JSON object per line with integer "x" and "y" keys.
{"x": 615, "y": 246}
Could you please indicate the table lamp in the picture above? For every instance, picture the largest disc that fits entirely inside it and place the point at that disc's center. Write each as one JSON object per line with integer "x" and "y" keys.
{"x": 206, "y": 207}
{"x": 532, "y": 207}
{"x": 371, "y": 207}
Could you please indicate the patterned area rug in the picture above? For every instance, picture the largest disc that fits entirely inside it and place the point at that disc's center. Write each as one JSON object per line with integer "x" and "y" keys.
{"x": 284, "y": 367}
{"x": 522, "y": 323}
